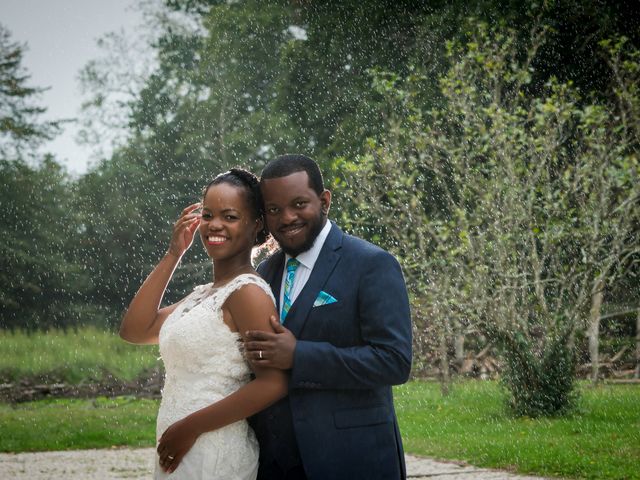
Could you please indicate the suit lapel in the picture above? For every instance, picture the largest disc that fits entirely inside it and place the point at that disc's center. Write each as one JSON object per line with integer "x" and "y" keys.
{"x": 326, "y": 262}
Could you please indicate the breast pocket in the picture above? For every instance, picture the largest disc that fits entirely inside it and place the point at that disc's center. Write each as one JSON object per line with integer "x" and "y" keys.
{"x": 327, "y": 307}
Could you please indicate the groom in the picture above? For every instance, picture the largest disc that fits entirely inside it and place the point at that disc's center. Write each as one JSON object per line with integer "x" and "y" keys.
{"x": 345, "y": 337}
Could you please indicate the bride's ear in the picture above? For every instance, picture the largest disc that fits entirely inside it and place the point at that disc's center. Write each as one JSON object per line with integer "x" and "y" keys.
{"x": 259, "y": 229}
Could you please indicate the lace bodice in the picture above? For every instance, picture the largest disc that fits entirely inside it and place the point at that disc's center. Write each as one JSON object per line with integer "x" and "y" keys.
{"x": 204, "y": 363}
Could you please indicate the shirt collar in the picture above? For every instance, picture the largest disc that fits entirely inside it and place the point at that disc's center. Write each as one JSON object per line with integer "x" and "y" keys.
{"x": 308, "y": 258}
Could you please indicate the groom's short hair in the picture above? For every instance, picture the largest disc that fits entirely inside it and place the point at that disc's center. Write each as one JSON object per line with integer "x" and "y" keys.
{"x": 285, "y": 165}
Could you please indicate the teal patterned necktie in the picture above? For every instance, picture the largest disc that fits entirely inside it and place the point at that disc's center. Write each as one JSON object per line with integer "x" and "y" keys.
{"x": 292, "y": 265}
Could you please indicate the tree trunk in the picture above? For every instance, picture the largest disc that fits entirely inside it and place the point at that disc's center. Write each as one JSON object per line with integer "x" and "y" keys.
{"x": 445, "y": 377}
{"x": 637, "y": 372}
{"x": 458, "y": 344}
{"x": 571, "y": 341}
{"x": 594, "y": 327}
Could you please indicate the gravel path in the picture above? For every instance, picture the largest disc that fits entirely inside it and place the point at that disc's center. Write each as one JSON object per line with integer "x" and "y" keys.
{"x": 123, "y": 463}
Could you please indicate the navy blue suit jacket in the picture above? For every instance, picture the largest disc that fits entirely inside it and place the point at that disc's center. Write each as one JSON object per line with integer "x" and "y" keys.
{"x": 338, "y": 419}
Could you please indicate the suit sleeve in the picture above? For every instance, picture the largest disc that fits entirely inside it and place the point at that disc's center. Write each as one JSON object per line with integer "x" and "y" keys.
{"x": 383, "y": 357}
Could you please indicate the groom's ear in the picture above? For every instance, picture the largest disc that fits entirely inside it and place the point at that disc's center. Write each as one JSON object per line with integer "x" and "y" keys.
{"x": 325, "y": 201}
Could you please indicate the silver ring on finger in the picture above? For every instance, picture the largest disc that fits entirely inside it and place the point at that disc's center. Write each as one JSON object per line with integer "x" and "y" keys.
{"x": 260, "y": 354}
{"x": 170, "y": 457}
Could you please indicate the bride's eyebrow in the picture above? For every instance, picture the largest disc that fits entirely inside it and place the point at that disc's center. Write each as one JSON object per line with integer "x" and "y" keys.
{"x": 226, "y": 210}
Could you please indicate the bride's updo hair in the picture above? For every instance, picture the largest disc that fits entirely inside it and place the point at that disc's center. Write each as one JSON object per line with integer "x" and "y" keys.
{"x": 241, "y": 178}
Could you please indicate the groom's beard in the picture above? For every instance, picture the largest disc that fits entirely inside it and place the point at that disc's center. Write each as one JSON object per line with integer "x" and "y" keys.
{"x": 314, "y": 231}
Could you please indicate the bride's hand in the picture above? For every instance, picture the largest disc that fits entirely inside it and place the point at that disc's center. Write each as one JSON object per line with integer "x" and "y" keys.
{"x": 184, "y": 230}
{"x": 174, "y": 444}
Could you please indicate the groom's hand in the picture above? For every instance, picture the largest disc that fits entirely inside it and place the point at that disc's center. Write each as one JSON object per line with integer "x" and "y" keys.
{"x": 266, "y": 349}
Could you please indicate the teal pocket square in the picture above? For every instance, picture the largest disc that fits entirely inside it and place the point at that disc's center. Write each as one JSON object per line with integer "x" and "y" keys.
{"x": 324, "y": 298}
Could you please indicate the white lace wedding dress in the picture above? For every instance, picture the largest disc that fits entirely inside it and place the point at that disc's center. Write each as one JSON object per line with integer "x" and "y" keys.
{"x": 204, "y": 363}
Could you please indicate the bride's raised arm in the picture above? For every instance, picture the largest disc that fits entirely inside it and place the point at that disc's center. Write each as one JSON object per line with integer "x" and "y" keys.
{"x": 143, "y": 319}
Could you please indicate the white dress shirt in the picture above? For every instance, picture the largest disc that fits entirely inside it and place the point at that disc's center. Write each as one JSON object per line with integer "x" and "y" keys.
{"x": 307, "y": 261}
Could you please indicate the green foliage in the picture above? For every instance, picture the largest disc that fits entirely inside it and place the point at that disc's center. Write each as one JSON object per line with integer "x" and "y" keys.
{"x": 598, "y": 440}
{"x": 539, "y": 385}
{"x": 504, "y": 207}
{"x": 82, "y": 356}
{"x": 126, "y": 218}
{"x": 38, "y": 274}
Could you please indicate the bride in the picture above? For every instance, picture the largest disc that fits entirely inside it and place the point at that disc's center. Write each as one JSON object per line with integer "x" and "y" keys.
{"x": 208, "y": 391}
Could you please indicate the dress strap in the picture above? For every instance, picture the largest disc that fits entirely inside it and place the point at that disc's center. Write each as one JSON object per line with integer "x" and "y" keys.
{"x": 240, "y": 281}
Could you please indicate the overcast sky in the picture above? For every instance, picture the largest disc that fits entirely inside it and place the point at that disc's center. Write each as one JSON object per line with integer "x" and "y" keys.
{"x": 61, "y": 37}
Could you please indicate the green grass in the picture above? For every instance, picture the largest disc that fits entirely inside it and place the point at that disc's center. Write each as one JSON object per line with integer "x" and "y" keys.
{"x": 600, "y": 439}
{"x": 77, "y": 424}
{"x": 86, "y": 355}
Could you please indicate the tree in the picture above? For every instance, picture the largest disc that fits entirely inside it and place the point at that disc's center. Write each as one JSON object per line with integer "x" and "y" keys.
{"x": 506, "y": 208}
{"x": 20, "y": 125}
{"x": 40, "y": 280}
{"x": 624, "y": 63}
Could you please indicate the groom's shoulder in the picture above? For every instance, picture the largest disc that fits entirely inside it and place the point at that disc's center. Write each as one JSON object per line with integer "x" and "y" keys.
{"x": 363, "y": 247}
{"x": 367, "y": 256}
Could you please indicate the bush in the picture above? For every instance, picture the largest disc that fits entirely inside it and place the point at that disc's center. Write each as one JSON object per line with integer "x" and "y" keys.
{"x": 539, "y": 383}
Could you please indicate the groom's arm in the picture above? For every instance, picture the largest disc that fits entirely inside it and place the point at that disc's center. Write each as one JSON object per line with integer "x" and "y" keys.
{"x": 382, "y": 358}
